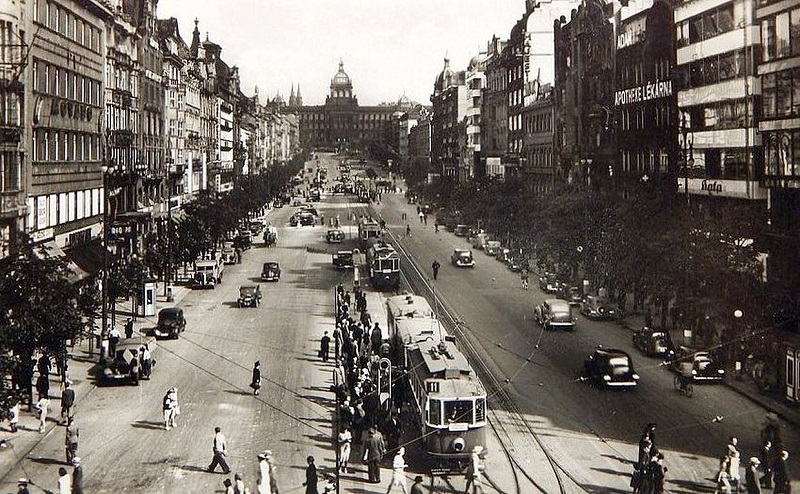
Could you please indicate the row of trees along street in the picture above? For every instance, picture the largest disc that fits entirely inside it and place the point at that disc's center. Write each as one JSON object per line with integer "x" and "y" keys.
{"x": 43, "y": 311}
{"x": 686, "y": 266}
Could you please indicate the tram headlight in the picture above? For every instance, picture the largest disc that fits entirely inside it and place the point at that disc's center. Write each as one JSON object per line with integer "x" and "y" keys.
{"x": 459, "y": 444}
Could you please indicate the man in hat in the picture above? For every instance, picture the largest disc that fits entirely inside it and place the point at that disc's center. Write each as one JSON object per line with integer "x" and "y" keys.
{"x": 398, "y": 471}
{"x": 238, "y": 485}
{"x": 374, "y": 449}
{"x": 77, "y": 476}
{"x": 417, "y": 487}
{"x": 751, "y": 481}
{"x": 264, "y": 484}
{"x": 67, "y": 401}
{"x": 22, "y": 486}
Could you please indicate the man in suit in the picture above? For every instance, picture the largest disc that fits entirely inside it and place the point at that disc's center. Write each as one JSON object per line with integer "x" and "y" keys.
{"x": 375, "y": 449}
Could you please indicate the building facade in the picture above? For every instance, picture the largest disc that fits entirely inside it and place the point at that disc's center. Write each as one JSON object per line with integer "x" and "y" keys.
{"x": 14, "y": 82}
{"x": 779, "y": 128}
{"x": 448, "y": 129}
{"x": 584, "y": 89}
{"x": 644, "y": 118}
{"x": 341, "y": 123}
{"x": 537, "y": 145}
{"x": 63, "y": 117}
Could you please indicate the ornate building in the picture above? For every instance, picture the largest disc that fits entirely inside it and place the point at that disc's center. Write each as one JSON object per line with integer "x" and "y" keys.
{"x": 341, "y": 123}
{"x": 449, "y": 100}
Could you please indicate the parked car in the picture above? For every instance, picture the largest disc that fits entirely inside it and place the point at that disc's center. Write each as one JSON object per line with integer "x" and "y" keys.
{"x": 335, "y": 236}
{"x": 171, "y": 323}
{"x": 462, "y": 258}
{"x": 124, "y": 367}
{"x": 343, "y": 259}
{"x": 611, "y": 368}
{"x": 704, "y": 366}
{"x": 554, "y": 314}
{"x": 228, "y": 253}
{"x": 461, "y": 230}
{"x": 208, "y": 273}
{"x": 513, "y": 263}
{"x": 548, "y": 282}
{"x": 600, "y": 308}
{"x": 653, "y": 342}
{"x": 478, "y": 240}
{"x": 244, "y": 241}
{"x": 249, "y": 296}
{"x": 503, "y": 254}
{"x": 571, "y": 293}
{"x": 491, "y": 247}
{"x": 271, "y": 271}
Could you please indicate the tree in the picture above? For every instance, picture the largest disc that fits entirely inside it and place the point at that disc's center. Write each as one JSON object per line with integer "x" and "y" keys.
{"x": 41, "y": 310}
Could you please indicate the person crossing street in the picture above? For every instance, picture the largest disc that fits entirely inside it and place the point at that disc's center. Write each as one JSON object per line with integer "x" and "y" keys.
{"x": 220, "y": 449}
{"x": 435, "y": 267}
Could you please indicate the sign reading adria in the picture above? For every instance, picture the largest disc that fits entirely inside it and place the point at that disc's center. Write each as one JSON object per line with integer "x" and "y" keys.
{"x": 645, "y": 92}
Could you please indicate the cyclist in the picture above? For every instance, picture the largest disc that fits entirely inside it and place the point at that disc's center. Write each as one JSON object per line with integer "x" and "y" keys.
{"x": 524, "y": 277}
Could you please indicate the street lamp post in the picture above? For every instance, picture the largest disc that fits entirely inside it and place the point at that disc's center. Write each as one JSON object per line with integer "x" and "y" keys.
{"x": 737, "y": 343}
{"x": 106, "y": 170}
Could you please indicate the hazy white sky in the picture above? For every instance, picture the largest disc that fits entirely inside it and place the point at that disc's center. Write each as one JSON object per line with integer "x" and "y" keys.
{"x": 388, "y": 46}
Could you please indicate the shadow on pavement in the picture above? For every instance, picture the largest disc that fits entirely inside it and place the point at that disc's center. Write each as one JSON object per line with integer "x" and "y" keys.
{"x": 146, "y": 424}
{"x": 48, "y": 461}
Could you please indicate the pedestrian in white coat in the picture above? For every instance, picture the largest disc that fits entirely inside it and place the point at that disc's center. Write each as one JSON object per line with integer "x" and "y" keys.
{"x": 264, "y": 473}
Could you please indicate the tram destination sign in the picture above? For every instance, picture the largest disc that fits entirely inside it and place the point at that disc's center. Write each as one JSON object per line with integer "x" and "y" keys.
{"x": 645, "y": 92}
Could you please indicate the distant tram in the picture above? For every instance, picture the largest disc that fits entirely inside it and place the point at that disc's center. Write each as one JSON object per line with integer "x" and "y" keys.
{"x": 368, "y": 229}
{"x": 383, "y": 264}
{"x": 448, "y": 399}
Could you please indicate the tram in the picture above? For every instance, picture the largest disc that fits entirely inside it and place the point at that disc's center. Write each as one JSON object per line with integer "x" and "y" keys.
{"x": 368, "y": 229}
{"x": 383, "y": 264}
{"x": 447, "y": 397}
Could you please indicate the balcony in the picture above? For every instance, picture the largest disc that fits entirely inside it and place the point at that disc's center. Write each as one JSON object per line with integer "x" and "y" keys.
{"x": 121, "y": 97}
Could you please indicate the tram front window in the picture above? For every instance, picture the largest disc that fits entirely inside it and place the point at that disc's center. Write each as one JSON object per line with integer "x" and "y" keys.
{"x": 458, "y": 412}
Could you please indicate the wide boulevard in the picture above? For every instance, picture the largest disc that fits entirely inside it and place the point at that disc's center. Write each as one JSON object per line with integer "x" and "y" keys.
{"x": 590, "y": 435}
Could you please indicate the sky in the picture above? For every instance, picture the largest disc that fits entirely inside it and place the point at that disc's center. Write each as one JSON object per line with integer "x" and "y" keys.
{"x": 389, "y": 47}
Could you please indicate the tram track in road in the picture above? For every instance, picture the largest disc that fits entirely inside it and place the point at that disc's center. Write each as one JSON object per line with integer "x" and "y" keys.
{"x": 506, "y": 424}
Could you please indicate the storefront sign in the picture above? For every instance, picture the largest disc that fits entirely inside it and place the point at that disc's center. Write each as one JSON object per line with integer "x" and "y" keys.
{"x": 631, "y": 34}
{"x": 645, "y": 92}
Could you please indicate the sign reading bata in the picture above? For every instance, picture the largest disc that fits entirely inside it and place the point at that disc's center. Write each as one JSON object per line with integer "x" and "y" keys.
{"x": 645, "y": 92}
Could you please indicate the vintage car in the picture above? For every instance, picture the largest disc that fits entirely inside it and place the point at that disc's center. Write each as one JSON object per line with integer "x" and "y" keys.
{"x": 343, "y": 259}
{"x": 503, "y": 254}
{"x": 554, "y": 314}
{"x": 124, "y": 367}
{"x": 549, "y": 283}
{"x": 514, "y": 264}
{"x": 303, "y": 218}
{"x": 270, "y": 236}
{"x": 271, "y": 271}
{"x": 256, "y": 227}
{"x": 653, "y": 342}
{"x": 334, "y": 236}
{"x": 704, "y": 366}
{"x": 462, "y": 258}
{"x": 600, "y": 308}
{"x": 277, "y": 203}
{"x": 244, "y": 240}
{"x": 571, "y": 293}
{"x": 208, "y": 273}
{"x": 491, "y": 247}
{"x": 170, "y": 323}
{"x": 461, "y": 230}
{"x": 610, "y": 368}
{"x": 228, "y": 253}
{"x": 249, "y": 296}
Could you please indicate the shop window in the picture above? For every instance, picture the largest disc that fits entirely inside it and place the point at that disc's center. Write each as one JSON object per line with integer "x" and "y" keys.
{"x": 783, "y": 82}
{"x": 768, "y": 95}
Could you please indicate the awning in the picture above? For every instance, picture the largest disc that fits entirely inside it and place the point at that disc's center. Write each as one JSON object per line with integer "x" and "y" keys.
{"x": 89, "y": 256}
{"x": 50, "y": 250}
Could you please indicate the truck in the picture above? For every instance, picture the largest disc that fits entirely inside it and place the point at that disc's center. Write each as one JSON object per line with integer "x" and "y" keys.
{"x": 208, "y": 272}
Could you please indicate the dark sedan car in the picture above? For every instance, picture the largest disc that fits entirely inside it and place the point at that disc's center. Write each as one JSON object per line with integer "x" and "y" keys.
{"x": 704, "y": 366}
{"x": 249, "y": 296}
{"x": 594, "y": 307}
{"x": 271, "y": 271}
{"x": 171, "y": 322}
{"x": 611, "y": 368}
{"x": 653, "y": 342}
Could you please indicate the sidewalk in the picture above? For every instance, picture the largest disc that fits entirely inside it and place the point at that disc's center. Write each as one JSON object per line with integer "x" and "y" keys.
{"x": 82, "y": 367}
{"x": 772, "y": 401}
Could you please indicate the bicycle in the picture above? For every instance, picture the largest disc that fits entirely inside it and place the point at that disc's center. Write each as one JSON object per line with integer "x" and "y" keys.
{"x": 684, "y": 385}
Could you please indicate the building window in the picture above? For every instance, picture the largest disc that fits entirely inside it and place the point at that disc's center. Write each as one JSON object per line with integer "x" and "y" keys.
{"x": 782, "y": 154}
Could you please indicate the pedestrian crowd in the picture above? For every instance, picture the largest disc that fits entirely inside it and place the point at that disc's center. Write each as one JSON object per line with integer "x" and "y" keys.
{"x": 765, "y": 472}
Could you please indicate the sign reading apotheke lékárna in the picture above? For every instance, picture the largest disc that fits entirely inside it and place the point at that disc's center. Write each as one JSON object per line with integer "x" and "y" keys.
{"x": 645, "y": 92}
